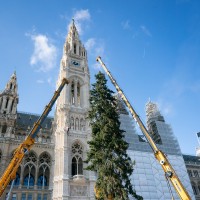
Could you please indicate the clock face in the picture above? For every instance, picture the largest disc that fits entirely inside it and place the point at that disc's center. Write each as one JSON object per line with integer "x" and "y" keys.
{"x": 75, "y": 63}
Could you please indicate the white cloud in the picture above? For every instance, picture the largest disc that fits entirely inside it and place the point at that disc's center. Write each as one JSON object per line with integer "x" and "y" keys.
{"x": 126, "y": 25}
{"x": 99, "y": 50}
{"x": 63, "y": 16}
{"x": 45, "y": 53}
{"x": 97, "y": 66}
{"x": 40, "y": 81}
{"x": 81, "y": 17}
{"x": 90, "y": 43}
{"x": 165, "y": 108}
{"x": 49, "y": 80}
{"x": 95, "y": 47}
{"x": 145, "y": 30}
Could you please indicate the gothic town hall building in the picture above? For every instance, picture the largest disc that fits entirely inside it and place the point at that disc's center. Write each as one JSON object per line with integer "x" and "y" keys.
{"x": 54, "y": 168}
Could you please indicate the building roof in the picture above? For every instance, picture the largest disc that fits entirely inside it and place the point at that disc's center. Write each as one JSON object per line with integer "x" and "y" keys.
{"x": 25, "y": 120}
{"x": 191, "y": 159}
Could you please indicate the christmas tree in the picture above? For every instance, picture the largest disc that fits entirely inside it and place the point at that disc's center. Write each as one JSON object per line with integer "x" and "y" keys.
{"x": 108, "y": 148}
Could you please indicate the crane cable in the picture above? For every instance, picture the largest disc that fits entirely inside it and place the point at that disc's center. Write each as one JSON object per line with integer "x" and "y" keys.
{"x": 10, "y": 191}
{"x": 169, "y": 186}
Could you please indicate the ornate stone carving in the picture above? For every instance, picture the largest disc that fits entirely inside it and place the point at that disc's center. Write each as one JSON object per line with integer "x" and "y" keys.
{"x": 78, "y": 190}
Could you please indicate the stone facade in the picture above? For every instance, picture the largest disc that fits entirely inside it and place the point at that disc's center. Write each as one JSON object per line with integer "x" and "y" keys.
{"x": 72, "y": 130}
{"x": 34, "y": 176}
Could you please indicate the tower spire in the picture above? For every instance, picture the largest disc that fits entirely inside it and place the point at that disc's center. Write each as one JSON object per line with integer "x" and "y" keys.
{"x": 9, "y": 97}
{"x": 73, "y": 21}
{"x": 8, "y": 107}
{"x": 11, "y": 86}
{"x": 71, "y": 124}
{"x": 73, "y": 50}
{"x": 73, "y": 43}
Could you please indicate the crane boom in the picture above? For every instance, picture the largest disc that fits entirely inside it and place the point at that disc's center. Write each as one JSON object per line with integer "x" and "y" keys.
{"x": 160, "y": 156}
{"x": 10, "y": 172}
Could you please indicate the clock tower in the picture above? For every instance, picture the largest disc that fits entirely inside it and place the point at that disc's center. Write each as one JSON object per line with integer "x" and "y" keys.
{"x": 71, "y": 127}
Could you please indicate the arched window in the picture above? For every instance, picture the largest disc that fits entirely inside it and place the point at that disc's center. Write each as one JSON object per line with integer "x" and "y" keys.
{"x": 198, "y": 186}
{"x": 76, "y": 124}
{"x": 1, "y": 101}
{"x": 11, "y": 108}
{"x": 0, "y": 155}
{"x": 77, "y": 162}
{"x": 44, "y": 172}
{"x": 45, "y": 159}
{"x": 29, "y": 180}
{"x": 194, "y": 189}
{"x": 29, "y": 175}
{"x": 77, "y": 166}
{"x": 43, "y": 176}
{"x": 196, "y": 173}
{"x": 74, "y": 48}
{"x": 44, "y": 139}
{"x": 190, "y": 173}
{"x": 6, "y": 102}
{"x": 10, "y": 86}
{"x": 17, "y": 180}
{"x": 48, "y": 139}
{"x": 74, "y": 166}
{"x": 82, "y": 124}
{"x": 72, "y": 93}
{"x": 42, "y": 180}
{"x": 80, "y": 166}
{"x": 31, "y": 157}
{"x": 78, "y": 93}
{"x": 4, "y": 128}
{"x": 77, "y": 149}
{"x": 72, "y": 123}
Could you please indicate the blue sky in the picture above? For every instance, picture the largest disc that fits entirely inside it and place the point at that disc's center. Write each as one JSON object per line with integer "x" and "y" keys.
{"x": 152, "y": 49}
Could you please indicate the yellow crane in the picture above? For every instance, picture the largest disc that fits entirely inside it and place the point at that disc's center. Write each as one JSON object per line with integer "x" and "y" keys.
{"x": 10, "y": 172}
{"x": 160, "y": 156}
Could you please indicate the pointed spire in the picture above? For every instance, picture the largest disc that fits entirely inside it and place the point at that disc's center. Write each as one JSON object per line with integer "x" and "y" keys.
{"x": 12, "y": 83}
{"x": 9, "y": 97}
{"x": 14, "y": 76}
{"x": 73, "y": 22}
{"x": 73, "y": 44}
{"x": 73, "y": 32}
